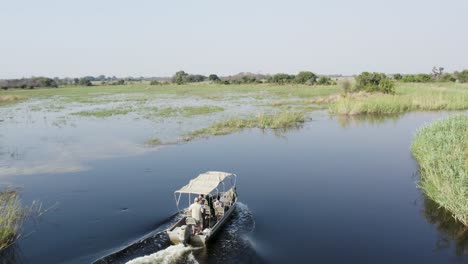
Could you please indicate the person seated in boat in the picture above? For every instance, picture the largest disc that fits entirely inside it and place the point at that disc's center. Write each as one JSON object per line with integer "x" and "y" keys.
{"x": 218, "y": 203}
{"x": 196, "y": 211}
{"x": 204, "y": 214}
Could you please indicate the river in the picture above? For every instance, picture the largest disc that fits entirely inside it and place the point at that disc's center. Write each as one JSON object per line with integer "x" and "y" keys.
{"x": 336, "y": 190}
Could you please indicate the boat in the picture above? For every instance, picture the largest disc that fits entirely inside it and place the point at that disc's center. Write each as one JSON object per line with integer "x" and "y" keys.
{"x": 218, "y": 196}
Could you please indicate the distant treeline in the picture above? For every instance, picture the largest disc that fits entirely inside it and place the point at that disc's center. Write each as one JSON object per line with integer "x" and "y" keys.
{"x": 181, "y": 77}
{"x": 304, "y": 77}
{"x": 437, "y": 75}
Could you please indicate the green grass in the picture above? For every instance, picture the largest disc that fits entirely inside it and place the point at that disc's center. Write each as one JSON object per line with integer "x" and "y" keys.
{"x": 409, "y": 97}
{"x": 276, "y": 121}
{"x": 441, "y": 150}
{"x": 11, "y": 217}
{"x": 82, "y": 94}
{"x": 103, "y": 112}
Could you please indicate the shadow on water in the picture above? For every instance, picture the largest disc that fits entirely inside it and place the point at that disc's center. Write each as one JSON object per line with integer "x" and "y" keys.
{"x": 449, "y": 230}
{"x": 12, "y": 254}
{"x": 231, "y": 245}
{"x": 373, "y": 119}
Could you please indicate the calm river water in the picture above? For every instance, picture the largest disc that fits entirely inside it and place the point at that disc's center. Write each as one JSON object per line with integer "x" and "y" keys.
{"x": 333, "y": 191}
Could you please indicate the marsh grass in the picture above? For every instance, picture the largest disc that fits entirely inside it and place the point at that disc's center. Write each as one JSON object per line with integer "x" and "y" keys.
{"x": 9, "y": 99}
{"x": 409, "y": 97}
{"x": 276, "y": 121}
{"x": 186, "y": 111}
{"x": 11, "y": 217}
{"x": 104, "y": 112}
{"x": 93, "y": 94}
{"x": 441, "y": 150}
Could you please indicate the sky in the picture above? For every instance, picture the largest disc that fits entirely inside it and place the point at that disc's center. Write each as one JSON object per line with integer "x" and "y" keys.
{"x": 59, "y": 38}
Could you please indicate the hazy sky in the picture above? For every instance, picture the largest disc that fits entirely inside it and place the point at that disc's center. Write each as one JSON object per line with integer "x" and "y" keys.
{"x": 156, "y": 38}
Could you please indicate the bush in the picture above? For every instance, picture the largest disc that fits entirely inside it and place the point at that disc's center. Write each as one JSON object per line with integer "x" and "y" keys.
{"x": 281, "y": 78}
{"x": 85, "y": 82}
{"x": 462, "y": 76}
{"x": 387, "y": 86}
{"x": 347, "y": 86}
{"x": 375, "y": 82}
{"x": 305, "y": 77}
{"x": 447, "y": 77}
{"x": 419, "y": 78}
{"x": 325, "y": 81}
{"x": 155, "y": 82}
{"x": 214, "y": 78}
{"x": 397, "y": 76}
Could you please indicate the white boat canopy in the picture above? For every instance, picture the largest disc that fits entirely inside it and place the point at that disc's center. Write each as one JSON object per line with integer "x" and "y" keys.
{"x": 207, "y": 182}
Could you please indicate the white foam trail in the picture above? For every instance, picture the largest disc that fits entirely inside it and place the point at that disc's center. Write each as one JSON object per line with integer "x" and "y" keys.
{"x": 170, "y": 255}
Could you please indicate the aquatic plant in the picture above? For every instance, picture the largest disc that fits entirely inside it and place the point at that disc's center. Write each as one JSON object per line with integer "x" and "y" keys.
{"x": 441, "y": 151}
{"x": 153, "y": 142}
{"x": 104, "y": 112}
{"x": 11, "y": 217}
{"x": 275, "y": 121}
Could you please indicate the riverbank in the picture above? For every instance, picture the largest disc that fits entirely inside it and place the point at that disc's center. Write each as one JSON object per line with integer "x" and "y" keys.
{"x": 441, "y": 151}
{"x": 408, "y": 97}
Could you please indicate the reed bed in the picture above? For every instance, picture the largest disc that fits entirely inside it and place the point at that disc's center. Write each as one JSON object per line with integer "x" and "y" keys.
{"x": 441, "y": 150}
{"x": 428, "y": 97}
{"x": 11, "y": 217}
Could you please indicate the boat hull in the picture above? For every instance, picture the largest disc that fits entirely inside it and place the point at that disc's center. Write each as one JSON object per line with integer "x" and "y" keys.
{"x": 178, "y": 236}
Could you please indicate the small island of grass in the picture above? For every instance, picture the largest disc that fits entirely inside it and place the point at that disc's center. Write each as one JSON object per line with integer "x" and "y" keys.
{"x": 441, "y": 150}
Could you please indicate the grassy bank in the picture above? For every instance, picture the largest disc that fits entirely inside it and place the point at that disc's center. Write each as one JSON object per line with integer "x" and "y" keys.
{"x": 280, "y": 120}
{"x": 441, "y": 150}
{"x": 408, "y": 97}
{"x": 11, "y": 217}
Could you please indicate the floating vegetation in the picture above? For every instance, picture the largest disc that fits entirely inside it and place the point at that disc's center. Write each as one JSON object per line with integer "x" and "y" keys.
{"x": 153, "y": 142}
{"x": 104, "y": 112}
{"x": 441, "y": 151}
{"x": 263, "y": 121}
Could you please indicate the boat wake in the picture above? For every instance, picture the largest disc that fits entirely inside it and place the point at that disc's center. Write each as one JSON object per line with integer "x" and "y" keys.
{"x": 230, "y": 245}
{"x": 171, "y": 255}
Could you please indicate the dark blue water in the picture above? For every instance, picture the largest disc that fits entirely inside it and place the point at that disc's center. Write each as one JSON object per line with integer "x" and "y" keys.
{"x": 334, "y": 191}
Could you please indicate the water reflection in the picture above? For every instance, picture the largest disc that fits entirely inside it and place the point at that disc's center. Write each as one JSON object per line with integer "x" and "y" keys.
{"x": 12, "y": 254}
{"x": 347, "y": 120}
{"x": 450, "y": 231}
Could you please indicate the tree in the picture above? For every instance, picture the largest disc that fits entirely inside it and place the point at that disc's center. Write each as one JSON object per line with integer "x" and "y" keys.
{"x": 281, "y": 78}
{"x": 180, "y": 77}
{"x": 325, "y": 81}
{"x": 84, "y": 81}
{"x": 214, "y": 78}
{"x": 195, "y": 78}
{"x": 305, "y": 77}
{"x": 462, "y": 76}
{"x": 437, "y": 72}
{"x": 375, "y": 82}
{"x": 397, "y": 76}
